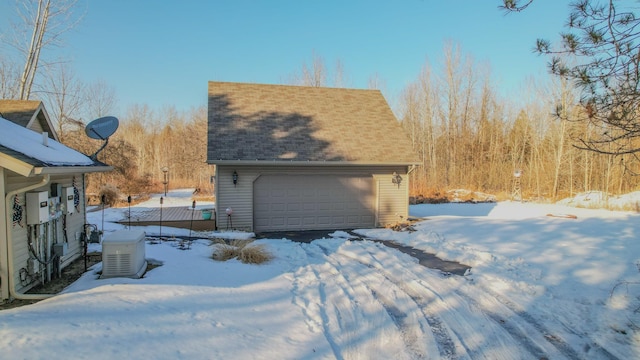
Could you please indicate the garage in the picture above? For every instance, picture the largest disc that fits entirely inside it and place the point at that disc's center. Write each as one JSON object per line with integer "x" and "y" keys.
{"x": 306, "y": 158}
{"x": 302, "y": 202}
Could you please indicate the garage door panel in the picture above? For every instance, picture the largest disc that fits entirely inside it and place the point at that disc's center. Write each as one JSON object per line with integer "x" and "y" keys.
{"x": 339, "y": 220}
{"x": 303, "y": 202}
{"x": 277, "y": 207}
{"x": 293, "y": 206}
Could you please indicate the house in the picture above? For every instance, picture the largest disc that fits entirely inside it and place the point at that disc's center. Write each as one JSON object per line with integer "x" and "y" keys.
{"x": 42, "y": 207}
{"x": 306, "y": 158}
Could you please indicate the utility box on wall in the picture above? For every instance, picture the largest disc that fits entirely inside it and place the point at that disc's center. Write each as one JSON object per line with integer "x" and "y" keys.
{"x": 67, "y": 199}
{"x": 37, "y": 207}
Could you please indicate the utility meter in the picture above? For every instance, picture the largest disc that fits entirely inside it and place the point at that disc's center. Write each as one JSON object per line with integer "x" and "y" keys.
{"x": 37, "y": 207}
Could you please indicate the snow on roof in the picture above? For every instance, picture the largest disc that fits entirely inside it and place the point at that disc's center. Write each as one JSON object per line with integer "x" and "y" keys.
{"x": 30, "y": 143}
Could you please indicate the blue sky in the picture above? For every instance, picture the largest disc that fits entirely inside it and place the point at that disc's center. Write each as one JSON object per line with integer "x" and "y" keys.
{"x": 164, "y": 52}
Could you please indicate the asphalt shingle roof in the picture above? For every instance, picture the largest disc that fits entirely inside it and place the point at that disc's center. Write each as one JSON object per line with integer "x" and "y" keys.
{"x": 297, "y": 123}
{"x": 18, "y": 111}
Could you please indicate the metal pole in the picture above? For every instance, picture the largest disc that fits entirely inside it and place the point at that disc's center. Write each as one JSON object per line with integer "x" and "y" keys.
{"x": 129, "y": 201}
{"x": 161, "y": 201}
{"x": 193, "y": 210}
{"x": 103, "y": 198}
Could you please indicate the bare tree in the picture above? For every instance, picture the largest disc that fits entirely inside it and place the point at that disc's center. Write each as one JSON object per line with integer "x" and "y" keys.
{"x": 9, "y": 76}
{"x": 99, "y": 99}
{"x": 318, "y": 74}
{"x": 376, "y": 82}
{"x": 63, "y": 98}
{"x": 599, "y": 54}
{"x": 43, "y": 24}
{"x": 339, "y": 78}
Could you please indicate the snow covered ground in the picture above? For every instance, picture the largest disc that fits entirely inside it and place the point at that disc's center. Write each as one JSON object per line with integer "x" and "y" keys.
{"x": 540, "y": 287}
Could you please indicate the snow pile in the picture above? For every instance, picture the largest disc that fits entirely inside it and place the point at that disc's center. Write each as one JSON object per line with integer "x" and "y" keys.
{"x": 30, "y": 143}
{"x": 599, "y": 199}
{"x": 540, "y": 287}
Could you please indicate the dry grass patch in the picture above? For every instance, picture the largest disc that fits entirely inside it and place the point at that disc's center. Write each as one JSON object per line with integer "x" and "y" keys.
{"x": 243, "y": 250}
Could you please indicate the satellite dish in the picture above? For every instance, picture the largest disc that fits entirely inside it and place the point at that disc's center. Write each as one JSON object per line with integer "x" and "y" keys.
{"x": 101, "y": 129}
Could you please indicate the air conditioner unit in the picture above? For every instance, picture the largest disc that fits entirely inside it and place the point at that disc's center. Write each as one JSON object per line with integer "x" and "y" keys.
{"x": 123, "y": 254}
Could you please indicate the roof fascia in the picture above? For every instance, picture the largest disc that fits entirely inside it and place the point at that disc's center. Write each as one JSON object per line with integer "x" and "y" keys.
{"x": 15, "y": 165}
{"x": 54, "y": 170}
{"x": 307, "y": 163}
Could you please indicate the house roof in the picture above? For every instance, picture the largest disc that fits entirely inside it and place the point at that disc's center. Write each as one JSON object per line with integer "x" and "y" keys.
{"x": 29, "y": 114}
{"x": 25, "y": 152}
{"x": 281, "y": 123}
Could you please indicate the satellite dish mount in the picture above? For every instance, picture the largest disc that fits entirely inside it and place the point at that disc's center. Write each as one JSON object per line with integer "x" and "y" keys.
{"x": 101, "y": 129}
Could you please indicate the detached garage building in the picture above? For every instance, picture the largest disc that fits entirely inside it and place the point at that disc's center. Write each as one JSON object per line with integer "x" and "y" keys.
{"x": 306, "y": 158}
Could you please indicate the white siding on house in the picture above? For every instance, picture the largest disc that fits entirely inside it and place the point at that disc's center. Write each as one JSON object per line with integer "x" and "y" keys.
{"x": 19, "y": 234}
{"x": 20, "y": 247}
{"x": 4, "y": 288}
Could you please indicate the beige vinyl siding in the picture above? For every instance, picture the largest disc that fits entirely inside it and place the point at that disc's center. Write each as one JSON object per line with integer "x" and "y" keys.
{"x": 390, "y": 201}
{"x": 393, "y": 200}
{"x": 239, "y": 197}
{"x": 36, "y": 126}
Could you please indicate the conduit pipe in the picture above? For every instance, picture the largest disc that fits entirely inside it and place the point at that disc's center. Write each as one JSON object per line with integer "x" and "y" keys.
{"x": 10, "y": 271}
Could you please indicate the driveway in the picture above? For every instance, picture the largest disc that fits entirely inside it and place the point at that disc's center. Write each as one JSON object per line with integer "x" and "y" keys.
{"x": 424, "y": 258}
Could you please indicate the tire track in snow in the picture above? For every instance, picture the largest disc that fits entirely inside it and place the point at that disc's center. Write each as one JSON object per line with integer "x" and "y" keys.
{"x": 396, "y": 303}
{"x": 525, "y": 335}
{"x": 410, "y": 331}
{"x": 511, "y": 311}
{"x": 524, "y": 329}
{"x": 304, "y": 282}
{"x": 520, "y": 338}
{"x": 350, "y": 321}
{"x": 449, "y": 346}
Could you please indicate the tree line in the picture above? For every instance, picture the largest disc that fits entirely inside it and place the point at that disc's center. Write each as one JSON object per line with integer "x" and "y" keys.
{"x": 146, "y": 143}
{"x": 575, "y": 131}
{"x": 468, "y": 136}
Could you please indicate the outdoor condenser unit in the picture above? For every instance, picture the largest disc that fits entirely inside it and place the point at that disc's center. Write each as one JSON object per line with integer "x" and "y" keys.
{"x": 123, "y": 254}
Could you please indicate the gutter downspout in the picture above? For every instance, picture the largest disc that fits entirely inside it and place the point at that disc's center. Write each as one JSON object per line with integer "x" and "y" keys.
{"x": 10, "y": 272}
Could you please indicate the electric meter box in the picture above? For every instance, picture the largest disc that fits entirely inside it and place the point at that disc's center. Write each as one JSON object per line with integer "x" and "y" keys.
{"x": 67, "y": 200}
{"x": 37, "y": 207}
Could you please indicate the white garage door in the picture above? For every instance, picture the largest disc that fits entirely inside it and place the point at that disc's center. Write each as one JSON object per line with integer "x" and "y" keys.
{"x": 306, "y": 202}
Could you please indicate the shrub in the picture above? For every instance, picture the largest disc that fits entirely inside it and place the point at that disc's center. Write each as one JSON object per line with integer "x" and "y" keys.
{"x": 254, "y": 254}
{"x": 110, "y": 194}
{"x": 225, "y": 252}
{"x": 243, "y": 251}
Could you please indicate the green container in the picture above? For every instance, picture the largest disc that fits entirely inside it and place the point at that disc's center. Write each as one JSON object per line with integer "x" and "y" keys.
{"x": 206, "y": 214}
